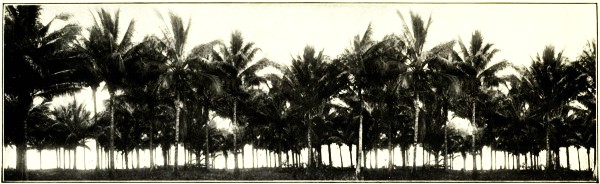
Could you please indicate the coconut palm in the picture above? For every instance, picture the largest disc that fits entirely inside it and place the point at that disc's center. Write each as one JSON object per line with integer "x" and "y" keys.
{"x": 555, "y": 83}
{"x": 178, "y": 77}
{"x": 108, "y": 52}
{"x": 38, "y": 65}
{"x": 420, "y": 66}
{"x": 77, "y": 120}
{"x": 479, "y": 74}
{"x": 238, "y": 73}
{"x": 311, "y": 82}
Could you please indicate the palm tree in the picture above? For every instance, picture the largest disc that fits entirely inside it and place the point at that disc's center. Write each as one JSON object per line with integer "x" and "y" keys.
{"x": 108, "y": 52}
{"x": 311, "y": 81}
{"x": 178, "y": 76}
{"x": 555, "y": 83}
{"x": 76, "y": 119}
{"x": 364, "y": 60}
{"x": 38, "y": 65}
{"x": 238, "y": 73}
{"x": 479, "y": 74}
{"x": 420, "y": 66}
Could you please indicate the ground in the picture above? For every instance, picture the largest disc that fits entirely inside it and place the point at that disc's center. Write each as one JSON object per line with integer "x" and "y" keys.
{"x": 301, "y": 174}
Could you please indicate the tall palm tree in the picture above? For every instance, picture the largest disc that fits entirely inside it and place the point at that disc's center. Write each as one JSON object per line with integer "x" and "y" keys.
{"x": 479, "y": 74}
{"x": 179, "y": 77}
{"x": 555, "y": 83}
{"x": 364, "y": 61}
{"x": 108, "y": 52}
{"x": 311, "y": 81}
{"x": 38, "y": 65}
{"x": 419, "y": 68}
{"x": 238, "y": 73}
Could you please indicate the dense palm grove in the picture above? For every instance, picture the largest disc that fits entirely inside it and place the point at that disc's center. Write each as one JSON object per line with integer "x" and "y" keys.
{"x": 377, "y": 95}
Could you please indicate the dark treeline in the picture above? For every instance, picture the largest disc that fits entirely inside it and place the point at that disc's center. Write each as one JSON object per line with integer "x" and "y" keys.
{"x": 380, "y": 94}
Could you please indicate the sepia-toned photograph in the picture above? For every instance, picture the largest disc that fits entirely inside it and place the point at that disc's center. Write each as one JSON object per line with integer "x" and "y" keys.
{"x": 299, "y": 92}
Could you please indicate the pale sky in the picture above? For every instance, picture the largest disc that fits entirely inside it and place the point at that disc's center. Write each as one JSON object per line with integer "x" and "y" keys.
{"x": 283, "y": 30}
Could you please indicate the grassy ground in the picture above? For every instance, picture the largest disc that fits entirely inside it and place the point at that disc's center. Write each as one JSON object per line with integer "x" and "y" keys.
{"x": 301, "y": 174}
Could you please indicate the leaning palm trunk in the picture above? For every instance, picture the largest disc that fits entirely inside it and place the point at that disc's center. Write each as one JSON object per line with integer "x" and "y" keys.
{"x": 414, "y": 169}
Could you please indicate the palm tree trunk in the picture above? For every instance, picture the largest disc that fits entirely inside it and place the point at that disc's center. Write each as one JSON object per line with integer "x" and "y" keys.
{"x": 152, "y": 154}
{"x": 309, "y": 141}
{"x": 235, "y": 155}
{"x": 137, "y": 150}
{"x": 75, "y": 158}
{"x": 445, "y": 145}
{"x": 40, "y": 153}
{"x": 243, "y": 163}
{"x": 390, "y": 155}
{"x": 205, "y": 112}
{"x": 473, "y": 140}
{"x": 360, "y": 138}
{"x": 84, "y": 166}
{"x": 403, "y": 152}
{"x": 350, "y": 151}
{"x": 178, "y": 106}
{"x": 94, "y": 89}
{"x": 578, "y": 160}
{"x": 568, "y": 158}
{"x": 588, "y": 157}
{"x": 548, "y": 159}
{"x": 226, "y": 159}
{"x": 341, "y": 159}
{"x": 254, "y": 150}
{"x": 416, "y": 129}
{"x": 111, "y": 140}
{"x": 329, "y": 153}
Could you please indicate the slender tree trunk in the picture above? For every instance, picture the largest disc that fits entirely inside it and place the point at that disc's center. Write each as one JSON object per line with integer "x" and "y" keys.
{"x": 84, "y": 165}
{"x": 178, "y": 106}
{"x": 350, "y": 151}
{"x": 473, "y": 139}
{"x": 341, "y": 159}
{"x": 416, "y": 129}
{"x": 235, "y": 155}
{"x": 94, "y": 90}
{"x": 518, "y": 155}
{"x": 464, "y": 155}
{"x": 548, "y": 158}
{"x": 568, "y": 158}
{"x": 243, "y": 163}
{"x": 445, "y": 145}
{"x": 359, "y": 147}
{"x": 588, "y": 157}
{"x": 40, "y": 153}
{"x": 75, "y": 158}
{"x": 111, "y": 140}
{"x": 126, "y": 158}
{"x": 403, "y": 152}
{"x": 390, "y": 149}
{"x": 329, "y": 154}
{"x": 578, "y": 160}
{"x": 152, "y": 154}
